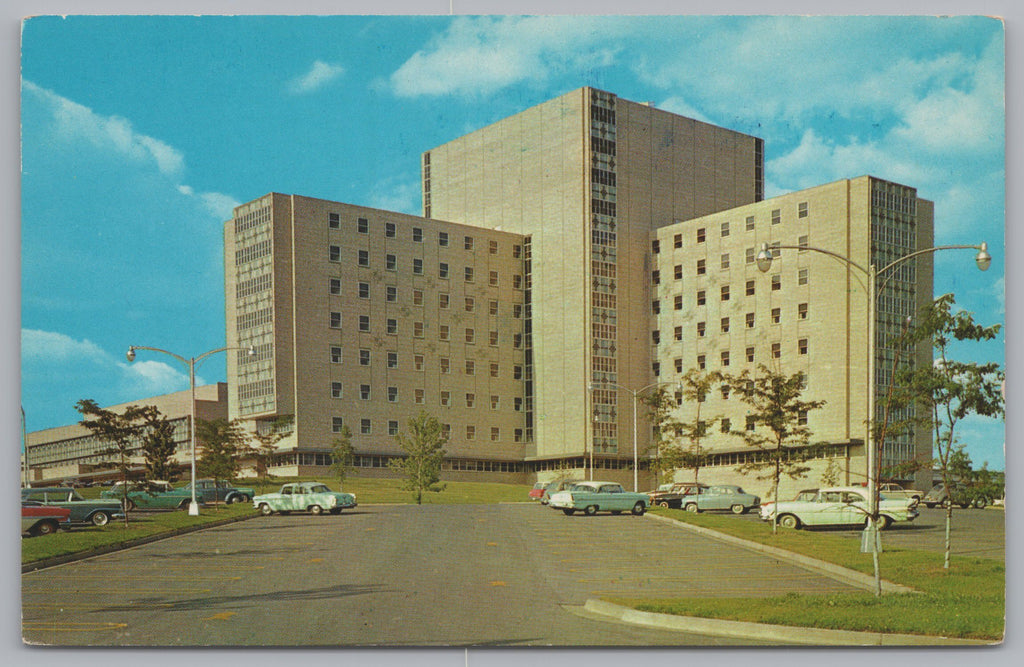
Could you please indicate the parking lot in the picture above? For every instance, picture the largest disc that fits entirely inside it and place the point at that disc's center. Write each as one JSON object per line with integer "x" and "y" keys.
{"x": 514, "y": 574}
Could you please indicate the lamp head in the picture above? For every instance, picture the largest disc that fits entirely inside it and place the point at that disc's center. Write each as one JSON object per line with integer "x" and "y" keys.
{"x": 764, "y": 258}
{"x": 983, "y": 259}
{"x": 131, "y": 353}
{"x": 251, "y": 351}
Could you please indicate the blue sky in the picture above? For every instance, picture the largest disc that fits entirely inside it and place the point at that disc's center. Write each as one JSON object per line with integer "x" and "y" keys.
{"x": 140, "y": 134}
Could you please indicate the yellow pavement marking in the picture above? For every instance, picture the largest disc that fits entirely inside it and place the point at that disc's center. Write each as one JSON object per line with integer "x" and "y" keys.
{"x": 370, "y": 529}
{"x": 498, "y": 583}
{"x": 64, "y": 626}
{"x": 492, "y": 544}
{"x": 222, "y": 616}
{"x": 316, "y": 560}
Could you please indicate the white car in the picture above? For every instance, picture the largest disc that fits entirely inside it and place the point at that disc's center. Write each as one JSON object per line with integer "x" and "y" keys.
{"x": 839, "y": 506}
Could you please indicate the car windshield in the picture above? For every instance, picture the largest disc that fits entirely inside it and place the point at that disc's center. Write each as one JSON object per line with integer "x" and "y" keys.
{"x": 319, "y": 488}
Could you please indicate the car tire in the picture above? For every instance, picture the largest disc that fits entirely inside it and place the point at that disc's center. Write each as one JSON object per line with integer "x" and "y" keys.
{"x": 128, "y": 504}
{"x": 316, "y": 510}
{"x": 738, "y": 509}
{"x": 929, "y": 505}
{"x": 45, "y": 528}
{"x": 590, "y": 510}
{"x": 884, "y": 522}
{"x": 789, "y": 521}
{"x": 639, "y": 509}
{"x": 100, "y": 519}
{"x": 183, "y": 505}
{"x": 692, "y": 507}
{"x": 663, "y": 503}
{"x": 265, "y": 509}
{"x": 980, "y": 502}
{"x": 568, "y": 512}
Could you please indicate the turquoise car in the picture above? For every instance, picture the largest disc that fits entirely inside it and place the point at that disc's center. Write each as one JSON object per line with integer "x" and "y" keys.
{"x": 152, "y": 496}
{"x": 312, "y": 497}
{"x": 594, "y": 497}
{"x": 97, "y": 512}
{"x": 721, "y": 497}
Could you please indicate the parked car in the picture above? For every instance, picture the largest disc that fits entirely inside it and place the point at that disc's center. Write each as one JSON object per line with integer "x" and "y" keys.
{"x": 961, "y": 495}
{"x": 97, "y": 512}
{"x": 721, "y": 497}
{"x": 43, "y": 519}
{"x": 840, "y": 506}
{"x": 181, "y": 497}
{"x": 767, "y": 508}
{"x": 555, "y": 487}
{"x": 673, "y": 495}
{"x": 894, "y": 490}
{"x": 593, "y": 497}
{"x": 537, "y": 491}
{"x": 116, "y": 491}
{"x": 312, "y": 497}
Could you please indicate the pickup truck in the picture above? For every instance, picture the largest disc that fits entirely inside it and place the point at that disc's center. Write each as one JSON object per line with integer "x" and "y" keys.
{"x": 893, "y": 490}
{"x": 673, "y": 496}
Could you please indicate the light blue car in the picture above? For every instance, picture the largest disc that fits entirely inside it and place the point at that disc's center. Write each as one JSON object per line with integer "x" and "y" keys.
{"x": 312, "y": 497}
{"x": 722, "y": 497}
{"x": 594, "y": 497}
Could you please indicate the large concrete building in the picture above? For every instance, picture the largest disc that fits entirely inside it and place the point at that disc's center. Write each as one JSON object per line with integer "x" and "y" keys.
{"x": 561, "y": 252}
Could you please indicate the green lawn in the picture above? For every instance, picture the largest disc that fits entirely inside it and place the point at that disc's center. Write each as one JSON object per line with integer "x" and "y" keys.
{"x": 967, "y": 601}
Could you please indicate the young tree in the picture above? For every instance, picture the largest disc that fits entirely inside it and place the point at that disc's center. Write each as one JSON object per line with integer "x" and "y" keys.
{"x": 158, "y": 445}
{"x": 342, "y": 455}
{"x": 949, "y": 390}
{"x": 220, "y": 444}
{"x": 263, "y": 447}
{"x": 776, "y": 425}
{"x": 679, "y": 441}
{"x": 830, "y": 476}
{"x": 424, "y": 452}
{"x": 121, "y": 431}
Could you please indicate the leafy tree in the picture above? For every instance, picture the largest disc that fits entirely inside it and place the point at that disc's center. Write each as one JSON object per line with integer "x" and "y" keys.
{"x": 949, "y": 390}
{"x": 679, "y": 441}
{"x": 424, "y": 452}
{"x": 343, "y": 455}
{"x": 221, "y": 444}
{"x": 121, "y": 431}
{"x": 776, "y": 425}
{"x": 158, "y": 445}
{"x": 263, "y": 447}
{"x": 830, "y": 476}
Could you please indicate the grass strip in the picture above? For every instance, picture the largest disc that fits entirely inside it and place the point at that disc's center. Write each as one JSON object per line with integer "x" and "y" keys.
{"x": 967, "y": 601}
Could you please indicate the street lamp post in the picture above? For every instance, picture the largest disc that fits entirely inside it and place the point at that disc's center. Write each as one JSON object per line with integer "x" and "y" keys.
{"x": 764, "y": 263}
{"x": 193, "y": 507}
{"x": 635, "y": 394}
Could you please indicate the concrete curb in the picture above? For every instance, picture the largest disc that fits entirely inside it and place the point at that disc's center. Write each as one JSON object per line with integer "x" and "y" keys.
{"x": 764, "y": 632}
{"x": 111, "y": 548}
{"x": 831, "y": 570}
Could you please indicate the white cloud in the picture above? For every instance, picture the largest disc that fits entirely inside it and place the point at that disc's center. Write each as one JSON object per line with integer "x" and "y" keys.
{"x": 73, "y": 122}
{"x": 680, "y": 106}
{"x": 319, "y": 75}
{"x": 393, "y": 196}
{"x": 59, "y": 348}
{"x": 479, "y": 56}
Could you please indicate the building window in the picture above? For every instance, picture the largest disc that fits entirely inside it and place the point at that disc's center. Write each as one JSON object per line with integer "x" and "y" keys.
{"x": 364, "y": 323}
{"x": 655, "y": 307}
{"x": 392, "y": 394}
{"x": 700, "y": 267}
{"x": 417, "y": 267}
{"x": 442, "y": 270}
{"x": 443, "y": 332}
{"x": 656, "y": 369}
{"x": 492, "y": 336}
{"x": 776, "y": 350}
{"x": 362, "y": 225}
{"x": 677, "y": 241}
{"x": 776, "y": 315}
{"x": 417, "y": 329}
{"x": 776, "y": 282}
{"x": 364, "y": 357}
{"x": 677, "y": 272}
{"x": 725, "y": 325}
{"x": 517, "y": 372}
{"x": 701, "y": 327}
{"x": 492, "y": 247}
{"x": 389, "y": 230}
{"x": 701, "y": 235}
{"x": 776, "y": 216}
{"x": 750, "y": 255}
{"x": 726, "y": 424}
{"x": 470, "y": 400}
{"x": 677, "y": 302}
{"x": 725, "y": 358}
{"x": 468, "y": 243}
{"x": 750, "y": 320}
{"x": 417, "y": 297}
{"x": 725, "y": 261}
{"x": 335, "y": 287}
{"x": 335, "y": 354}
{"x": 801, "y": 346}
{"x": 517, "y": 281}
{"x": 801, "y": 277}
{"x": 494, "y": 369}
{"x": 655, "y": 337}
{"x": 364, "y": 258}
{"x": 517, "y": 310}
{"x": 801, "y": 418}
{"x": 470, "y": 367}
{"x": 701, "y": 298}
{"x": 417, "y": 235}
{"x": 801, "y": 311}
{"x": 750, "y": 423}
{"x": 801, "y": 210}
{"x": 446, "y": 398}
{"x": 391, "y": 293}
{"x": 470, "y": 335}
{"x": 442, "y": 239}
{"x": 470, "y": 432}
{"x": 417, "y": 396}
{"x": 495, "y": 402}
{"x": 750, "y": 355}
{"x": 725, "y": 389}
{"x": 725, "y": 229}
{"x": 334, "y": 221}
{"x": 493, "y": 279}
{"x": 701, "y": 362}
{"x": 445, "y": 365}
{"x": 750, "y": 287}
{"x": 517, "y": 341}
{"x": 677, "y": 333}
{"x": 335, "y": 390}
{"x": 517, "y": 404}
{"x": 417, "y": 362}
{"x": 517, "y": 251}
{"x": 364, "y": 426}
{"x": 364, "y": 290}
{"x": 495, "y": 434}
{"x": 802, "y": 241}
{"x": 470, "y": 304}
{"x": 469, "y": 274}
{"x": 655, "y": 277}
{"x": 337, "y": 425}
{"x": 655, "y": 246}
{"x": 392, "y": 427}
{"x": 390, "y": 262}
{"x": 442, "y": 300}
{"x": 678, "y": 363}
{"x": 335, "y": 320}
{"x": 334, "y": 253}
{"x": 725, "y": 292}
{"x": 492, "y": 307}
{"x": 364, "y": 392}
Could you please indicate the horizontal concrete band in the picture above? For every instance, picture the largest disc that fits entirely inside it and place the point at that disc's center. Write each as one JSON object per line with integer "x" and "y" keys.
{"x": 831, "y": 570}
{"x": 766, "y": 632}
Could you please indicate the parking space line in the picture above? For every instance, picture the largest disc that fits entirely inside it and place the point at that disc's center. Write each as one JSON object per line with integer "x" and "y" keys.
{"x": 64, "y": 626}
